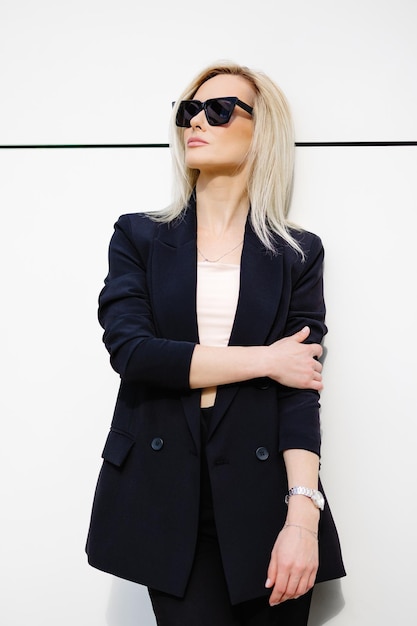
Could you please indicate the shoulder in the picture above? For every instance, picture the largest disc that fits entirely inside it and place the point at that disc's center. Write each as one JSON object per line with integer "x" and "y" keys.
{"x": 310, "y": 244}
{"x": 145, "y": 226}
{"x": 137, "y": 225}
{"x": 132, "y": 238}
{"x": 297, "y": 265}
{"x": 141, "y": 231}
{"x": 138, "y": 230}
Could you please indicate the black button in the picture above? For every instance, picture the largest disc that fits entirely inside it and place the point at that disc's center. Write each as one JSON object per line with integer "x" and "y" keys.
{"x": 262, "y": 453}
{"x": 157, "y": 443}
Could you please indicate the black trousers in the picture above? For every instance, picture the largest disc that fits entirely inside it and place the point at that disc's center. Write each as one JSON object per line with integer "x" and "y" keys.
{"x": 206, "y": 601}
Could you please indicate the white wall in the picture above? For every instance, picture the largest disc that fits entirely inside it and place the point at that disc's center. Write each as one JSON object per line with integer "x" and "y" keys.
{"x": 87, "y": 71}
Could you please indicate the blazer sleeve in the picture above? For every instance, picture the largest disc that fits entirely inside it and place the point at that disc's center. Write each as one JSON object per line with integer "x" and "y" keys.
{"x": 299, "y": 409}
{"x": 125, "y": 313}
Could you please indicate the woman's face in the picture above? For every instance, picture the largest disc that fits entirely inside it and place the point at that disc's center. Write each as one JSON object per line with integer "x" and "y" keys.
{"x": 220, "y": 150}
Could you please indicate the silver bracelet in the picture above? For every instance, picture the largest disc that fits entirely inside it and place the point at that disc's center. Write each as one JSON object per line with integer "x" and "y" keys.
{"x": 312, "y": 532}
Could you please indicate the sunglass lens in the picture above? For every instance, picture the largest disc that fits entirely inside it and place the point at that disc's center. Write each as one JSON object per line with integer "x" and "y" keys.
{"x": 219, "y": 111}
{"x": 186, "y": 111}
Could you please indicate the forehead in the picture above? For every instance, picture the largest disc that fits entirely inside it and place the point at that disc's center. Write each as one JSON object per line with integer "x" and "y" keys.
{"x": 226, "y": 85}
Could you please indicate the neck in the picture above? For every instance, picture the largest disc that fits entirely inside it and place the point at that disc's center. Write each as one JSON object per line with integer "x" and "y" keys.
{"x": 221, "y": 204}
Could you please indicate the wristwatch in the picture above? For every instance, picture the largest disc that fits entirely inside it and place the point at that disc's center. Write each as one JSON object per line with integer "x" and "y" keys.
{"x": 316, "y": 496}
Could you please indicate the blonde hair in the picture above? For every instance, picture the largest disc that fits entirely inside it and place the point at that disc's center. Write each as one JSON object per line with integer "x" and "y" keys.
{"x": 270, "y": 159}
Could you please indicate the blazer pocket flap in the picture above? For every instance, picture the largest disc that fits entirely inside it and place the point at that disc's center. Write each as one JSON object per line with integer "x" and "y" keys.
{"x": 117, "y": 447}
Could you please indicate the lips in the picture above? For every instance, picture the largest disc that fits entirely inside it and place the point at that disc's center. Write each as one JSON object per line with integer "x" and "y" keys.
{"x": 196, "y": 141}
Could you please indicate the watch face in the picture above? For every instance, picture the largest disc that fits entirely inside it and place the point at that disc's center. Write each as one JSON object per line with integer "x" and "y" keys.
{"x": 318, "y": 499}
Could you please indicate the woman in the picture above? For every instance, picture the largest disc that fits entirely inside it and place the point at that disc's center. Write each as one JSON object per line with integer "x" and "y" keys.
{"x": 213, "y": 314}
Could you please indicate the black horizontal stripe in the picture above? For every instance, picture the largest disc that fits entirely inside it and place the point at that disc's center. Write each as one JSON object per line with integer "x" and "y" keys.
{"x": 354, "y": 144}
{"x": 300, "y": 144}
{"x": 83, "y": 146}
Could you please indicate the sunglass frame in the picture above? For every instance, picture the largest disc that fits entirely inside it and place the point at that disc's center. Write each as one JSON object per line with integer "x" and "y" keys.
{"x": 203, "y": 106}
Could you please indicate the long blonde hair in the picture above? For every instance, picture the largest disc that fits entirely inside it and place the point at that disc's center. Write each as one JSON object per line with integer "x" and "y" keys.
{"x": 271, "y": 157}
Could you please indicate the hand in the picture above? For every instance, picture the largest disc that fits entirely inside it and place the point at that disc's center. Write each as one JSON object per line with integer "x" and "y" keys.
{"x": 293, "y": 566}
{"x": 294, "y": 363}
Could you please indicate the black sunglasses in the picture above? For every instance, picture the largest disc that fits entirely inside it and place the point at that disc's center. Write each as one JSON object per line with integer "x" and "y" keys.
{"x": 218, "y": 110}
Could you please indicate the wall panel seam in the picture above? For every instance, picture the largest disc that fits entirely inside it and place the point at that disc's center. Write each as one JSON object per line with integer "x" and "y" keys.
{"x": 309, "y": 144}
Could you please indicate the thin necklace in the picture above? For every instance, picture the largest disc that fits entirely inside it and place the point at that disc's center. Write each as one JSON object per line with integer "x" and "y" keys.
{"x": 220, "y": 257}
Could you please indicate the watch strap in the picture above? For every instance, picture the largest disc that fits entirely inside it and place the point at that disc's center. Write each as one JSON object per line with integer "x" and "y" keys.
{"x": 315, "y": 495}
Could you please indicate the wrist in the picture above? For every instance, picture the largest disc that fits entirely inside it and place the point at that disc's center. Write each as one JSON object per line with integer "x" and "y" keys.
{"x": 310, "y": 518}
{"x": 272, "y": 362}
{"x": 259, "y": 362}
{"x": 301, "y": 510}
{"x": 315, "y": 496}
{"x": 302, "y": 528}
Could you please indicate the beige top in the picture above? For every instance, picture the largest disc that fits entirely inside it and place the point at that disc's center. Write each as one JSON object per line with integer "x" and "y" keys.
{"x": 217, "y": 296}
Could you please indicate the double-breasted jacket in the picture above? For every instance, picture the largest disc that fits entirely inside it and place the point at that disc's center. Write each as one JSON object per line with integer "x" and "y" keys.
{"x": 146, "y": 507}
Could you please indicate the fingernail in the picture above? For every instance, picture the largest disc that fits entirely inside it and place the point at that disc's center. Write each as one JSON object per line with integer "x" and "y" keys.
{"x": 267, "y": 583}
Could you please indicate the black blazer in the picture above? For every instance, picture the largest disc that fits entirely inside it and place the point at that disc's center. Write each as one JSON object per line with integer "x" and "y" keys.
{"x": 146, "y": 507}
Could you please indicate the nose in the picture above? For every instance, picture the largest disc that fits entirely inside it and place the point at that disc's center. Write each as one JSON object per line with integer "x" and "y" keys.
{"x": 198, "y": 120}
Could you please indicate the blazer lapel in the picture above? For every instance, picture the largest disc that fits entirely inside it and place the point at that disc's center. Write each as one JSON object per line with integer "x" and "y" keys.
{"x": 259, "y": 296}
{"x": 173, "y": 285}
{"x": 260, "y": 293}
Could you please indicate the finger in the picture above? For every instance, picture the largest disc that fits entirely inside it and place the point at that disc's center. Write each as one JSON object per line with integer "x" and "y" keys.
{"x": 271, "y": 574}
{"x": 316, "y": 385}
{"x": 301, "y": 589}
{"x": 302, "y": 334}
{"x": 293, "y": 587}
{"x": 313, "y": 380}
{"x": 318, "y": 367}
{"x": 311, "y": 580}
{"x": 306, "y": 582}
{"x": 277, "y": 596}
{"x": 297, "y": 587}
{"x": 316, "y": 350}
{"x": 279, "y": 592}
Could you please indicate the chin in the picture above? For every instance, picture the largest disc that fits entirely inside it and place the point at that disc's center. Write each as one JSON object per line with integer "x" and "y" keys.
{"x": 198, "y": 164}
